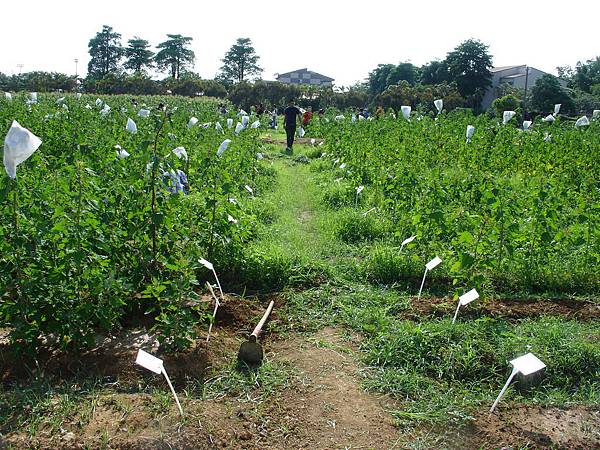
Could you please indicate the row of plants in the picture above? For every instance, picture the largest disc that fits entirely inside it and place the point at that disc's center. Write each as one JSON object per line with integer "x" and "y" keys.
{"x": 512, "y": 210}
{"x": 106, "y": 221}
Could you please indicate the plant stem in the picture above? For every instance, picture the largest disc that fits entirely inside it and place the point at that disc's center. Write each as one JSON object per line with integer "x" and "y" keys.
{"x": 153, "y": 186}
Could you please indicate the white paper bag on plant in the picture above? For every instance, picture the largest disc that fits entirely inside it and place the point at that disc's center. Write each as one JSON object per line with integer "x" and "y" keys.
{"x": 229, "y": 123}
{"x": 219, "y": 127}
{"x": 19, "y": 144}
{"x": 245, "y": 120}
{"x": 596, "y": 114}
{"x": 33, "y": 96}
{"x": 582, "y": 122}
{"x": 78, "y": 95}
{"x": 181, "y": 153}
{"x": 470, "y": 131}
{"x": 122, "y": 154}
{"x": 131, "y": 126}
{"x": 406, "y": 111}
{"x": 104, "y": 111}
{"x": 439, "y": 105}
{"x": 507, "y": 116}
{"x": 255, "y": 124}
{"x": 223, "y": 146}
{"x": 526, "y": 124}
{"x": 8, "y": 95}
{"x": 98, "y": 102}
{"x": 557, "y": 108}
{"x": 144, "y": 113}
{"x": 300, "y": 132}
{"x": 340, "y": 117}
{"x": 193, "y": 121}
{"x": 548, "y": 118}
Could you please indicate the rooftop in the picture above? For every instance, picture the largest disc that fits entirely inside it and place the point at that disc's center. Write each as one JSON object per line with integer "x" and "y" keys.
{"x": 324, "y": 77}
{"x": 501, "y": 68}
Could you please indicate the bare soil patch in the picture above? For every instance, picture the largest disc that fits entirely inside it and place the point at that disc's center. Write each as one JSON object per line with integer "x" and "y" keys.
{"x": 506, "y": 309}
{"x": 516, "y": 426}
{"x": 328, "y": 408}
{"x": 300, "y": 141}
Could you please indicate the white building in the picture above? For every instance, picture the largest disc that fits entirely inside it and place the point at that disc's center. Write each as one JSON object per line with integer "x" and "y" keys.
{"x": 305, "y": 76}
{"x": 519, "y": 77}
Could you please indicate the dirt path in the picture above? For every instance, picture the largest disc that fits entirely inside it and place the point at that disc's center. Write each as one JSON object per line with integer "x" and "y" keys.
{"x": 329, "y": 407}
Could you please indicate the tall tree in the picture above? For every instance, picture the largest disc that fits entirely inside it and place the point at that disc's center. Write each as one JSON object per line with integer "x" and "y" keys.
{"x": 175, "y": 55}
{"x": 436, "y": 72}
{"x": 469, "y": 66}
{"x": 546, "y": 92}
{"x": 240, "y": 62}
{"x": 587, "y": 74}
{"x": 138, "y": 55}
{"x": 404, "y": 71}
{"x": 378, "y": 78}
{"x": 105, "y": 53}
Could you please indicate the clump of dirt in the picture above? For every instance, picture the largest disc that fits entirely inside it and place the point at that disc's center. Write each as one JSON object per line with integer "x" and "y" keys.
{"x": 535, "y": 427}
{"x": 504, "y": 308}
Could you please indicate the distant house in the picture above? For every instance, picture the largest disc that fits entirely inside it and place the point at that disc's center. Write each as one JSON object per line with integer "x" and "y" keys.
{"x": 516, "y": 76}
{"x": 305, "y": 76}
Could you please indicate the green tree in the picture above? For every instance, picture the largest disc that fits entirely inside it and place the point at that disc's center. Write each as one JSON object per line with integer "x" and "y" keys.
{"x": 469, "y": 66}
{"x": 174, "y": 55}
{"x": 404, "y": 71}
{"x": 377, "y": 80}
{"x": 240, "y": 62}
{"x": 587, "y": 74}
{"x": 436, "y": 72}
{"x": 546, "y": 92}
{"x": 105, "y": 52}
{"x": 138, "y": 55}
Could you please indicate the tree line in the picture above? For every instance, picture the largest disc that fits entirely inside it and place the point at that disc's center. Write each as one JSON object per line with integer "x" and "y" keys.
{"x": 461, "y": 78}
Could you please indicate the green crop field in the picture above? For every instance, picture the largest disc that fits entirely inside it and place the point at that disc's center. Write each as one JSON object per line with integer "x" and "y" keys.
{"x": 102, "y": 240}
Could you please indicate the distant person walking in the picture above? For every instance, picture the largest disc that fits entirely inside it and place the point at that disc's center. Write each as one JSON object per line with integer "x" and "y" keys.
{"x": 291, "y": 114}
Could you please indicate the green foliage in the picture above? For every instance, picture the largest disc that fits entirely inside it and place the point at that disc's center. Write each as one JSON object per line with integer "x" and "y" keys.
{"x": 139, "y": 58}
{"x": 420, "y": 96}
{"x": 240, "y": 62}
{"x": 546, "y": 92}
{"x": 469, "y": 66}
{"x": 38, "y": 82}
{"x": 105, "y": 53}
{"x": 436, "y": 72}
{"x": 111, "y": 84}
{"x": 389, "y": 74}
{"x": 507, "y": 103}
{"x": 508, "y": 212}
{"x": 174, "y": 55}
{"x": 353, "y": 226}
{"x": 480, "y": 349}
{"x": 93, "y": 238}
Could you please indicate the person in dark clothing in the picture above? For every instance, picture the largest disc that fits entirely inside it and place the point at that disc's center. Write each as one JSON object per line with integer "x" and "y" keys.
{"x": 290, "y": 116}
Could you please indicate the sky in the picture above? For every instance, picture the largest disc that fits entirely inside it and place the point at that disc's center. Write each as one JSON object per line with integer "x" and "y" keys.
{"x": 344, "y": 40}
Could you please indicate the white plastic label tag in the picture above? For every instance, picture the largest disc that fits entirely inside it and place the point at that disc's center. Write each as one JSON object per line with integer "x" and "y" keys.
{"x": 433, "y": 263}
{"x": 147, "y": 361}
{"x": 467, "y": 298}
{"x": 527, "y": 364}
